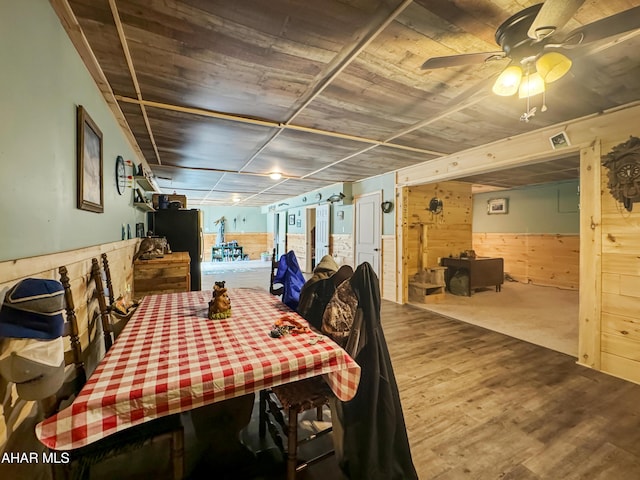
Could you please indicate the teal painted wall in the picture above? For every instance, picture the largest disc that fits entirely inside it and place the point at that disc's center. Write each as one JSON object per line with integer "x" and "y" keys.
{"x": 387, "y": 184}
{"x": 546, "y": 208}
{"x": 296, "y": 206}
{"x": 239, "y": 219}
{"x": 42, "y": 82}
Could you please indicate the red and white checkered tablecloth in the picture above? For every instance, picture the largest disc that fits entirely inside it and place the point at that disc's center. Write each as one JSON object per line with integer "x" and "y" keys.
{"x": 171, "y": 358}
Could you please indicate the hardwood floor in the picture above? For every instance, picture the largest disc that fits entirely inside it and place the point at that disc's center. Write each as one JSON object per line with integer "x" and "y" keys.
{"x": 481, "y": 405}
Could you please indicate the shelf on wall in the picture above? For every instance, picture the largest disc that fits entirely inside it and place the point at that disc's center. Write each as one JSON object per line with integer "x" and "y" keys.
{"x": 144, "y": 183}
{"x": 145, "y": 207}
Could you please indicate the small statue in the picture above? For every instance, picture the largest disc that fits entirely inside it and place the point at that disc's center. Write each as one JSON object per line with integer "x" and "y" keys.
{"x": 220, "y": 304}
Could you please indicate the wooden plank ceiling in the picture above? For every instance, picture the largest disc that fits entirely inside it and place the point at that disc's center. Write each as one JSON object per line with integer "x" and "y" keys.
{"x": 218, "y": 94}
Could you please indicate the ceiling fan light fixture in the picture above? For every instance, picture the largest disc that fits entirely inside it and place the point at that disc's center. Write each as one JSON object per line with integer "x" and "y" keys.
{"x": 531, "y": 85}
{"x": 507, "y": 82}
{"x": 552, "y": 66}
{"x": 275, "y": 175}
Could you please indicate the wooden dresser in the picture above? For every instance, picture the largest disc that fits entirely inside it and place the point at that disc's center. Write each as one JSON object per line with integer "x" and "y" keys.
{"x": 168, "y": 274}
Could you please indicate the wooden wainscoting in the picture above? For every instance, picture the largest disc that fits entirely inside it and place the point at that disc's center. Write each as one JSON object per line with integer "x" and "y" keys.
{"x": 541, "y": 259}
{"x": 78, "y": 263}
{"x": 389, "y": 270}
{"x": 252, "y": 244}
{"x": 341, "y": 247}
{"x": 296, "y": 242}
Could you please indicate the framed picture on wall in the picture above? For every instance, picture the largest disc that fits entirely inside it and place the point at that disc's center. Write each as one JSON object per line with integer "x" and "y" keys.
{"x": 292, "y": 219}
{"x": 497, "y": 206}
{"x": 89, "y": 153}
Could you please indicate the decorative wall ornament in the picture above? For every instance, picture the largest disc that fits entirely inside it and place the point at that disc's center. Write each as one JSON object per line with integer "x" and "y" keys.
{"x": 435, "y": 205}
{"x": 623, "y": 164}
{"x": 387, "y": 207}
{"x": 336, "y": 197}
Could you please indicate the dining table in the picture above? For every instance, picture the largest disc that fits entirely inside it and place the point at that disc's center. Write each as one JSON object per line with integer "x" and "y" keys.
{"x": 171, "y": 358}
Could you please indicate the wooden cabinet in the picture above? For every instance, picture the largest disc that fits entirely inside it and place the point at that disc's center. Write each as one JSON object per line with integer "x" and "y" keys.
{"x": 168, "y": 274}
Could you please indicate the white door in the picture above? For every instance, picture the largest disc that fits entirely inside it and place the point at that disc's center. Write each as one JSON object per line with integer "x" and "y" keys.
{"x": 367, "y": 230}
{"x": 322, "y": 231}
{"x": 280, "y": 233}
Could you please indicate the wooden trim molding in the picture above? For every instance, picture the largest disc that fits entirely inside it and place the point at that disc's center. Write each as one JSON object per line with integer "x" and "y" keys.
{"x": 590, "y": 258}
{"x": 12, "y": 270}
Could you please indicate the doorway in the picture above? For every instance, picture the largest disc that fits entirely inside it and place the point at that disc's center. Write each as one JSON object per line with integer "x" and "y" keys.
{"x": 310, "y": 239}
{"x": 280, "y": 233}
{"x": 317, "y": 234}
{"x": 538, "y": 301}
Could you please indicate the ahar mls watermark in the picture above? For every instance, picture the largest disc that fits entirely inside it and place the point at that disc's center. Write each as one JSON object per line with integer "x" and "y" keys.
{"x": 35, "y": 457}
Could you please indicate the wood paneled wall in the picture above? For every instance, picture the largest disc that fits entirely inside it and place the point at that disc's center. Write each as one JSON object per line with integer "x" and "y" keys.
{"x": 253, "y": 244}
{"x": 78, "y": 263}
{"x": 428, "y": 236}
{"x": 541, "y": 259}
{"x": 620, "y": 308}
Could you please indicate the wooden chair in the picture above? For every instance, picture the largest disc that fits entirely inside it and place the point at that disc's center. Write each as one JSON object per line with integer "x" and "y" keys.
{"x": 132, "y": 438}
{"x": 297, "y": 397}
{"x": 118, "y": 320}
{"x": 274, "y": 268}
{"x": 293, "y": 399}
{"x": 75, "y": 379}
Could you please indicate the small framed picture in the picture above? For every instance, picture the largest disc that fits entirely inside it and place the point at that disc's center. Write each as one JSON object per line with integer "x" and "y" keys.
{"x": 292, "y": 219}
{"x": 559, "y": 140}
{"x": 298, "y": 223}
{"x": 497, "y": 206}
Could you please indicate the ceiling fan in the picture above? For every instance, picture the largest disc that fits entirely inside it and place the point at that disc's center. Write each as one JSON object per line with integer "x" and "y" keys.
{"x": 533, "y": 40}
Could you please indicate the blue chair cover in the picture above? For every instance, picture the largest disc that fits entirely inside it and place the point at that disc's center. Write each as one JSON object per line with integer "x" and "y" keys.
{"x": 290, "y": 276}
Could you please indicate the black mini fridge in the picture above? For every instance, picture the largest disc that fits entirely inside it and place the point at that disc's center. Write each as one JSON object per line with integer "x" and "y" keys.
{"x": 183, "y": 230}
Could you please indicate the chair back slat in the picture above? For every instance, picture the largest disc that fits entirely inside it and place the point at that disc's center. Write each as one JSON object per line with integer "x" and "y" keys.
{"x": 107, "y": 273}
{"x": 107, "y": 328}
{"x": 274, "y": 269}
{"x": 71, "y": 327}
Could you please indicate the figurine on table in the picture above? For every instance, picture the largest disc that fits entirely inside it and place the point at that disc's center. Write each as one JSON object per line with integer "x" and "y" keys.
{"x": 220, "y": 304}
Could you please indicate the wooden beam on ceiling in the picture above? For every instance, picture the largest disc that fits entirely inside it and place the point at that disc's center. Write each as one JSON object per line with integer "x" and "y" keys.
{"x": 132, "y": 72}
{"x": 271, "y": 124}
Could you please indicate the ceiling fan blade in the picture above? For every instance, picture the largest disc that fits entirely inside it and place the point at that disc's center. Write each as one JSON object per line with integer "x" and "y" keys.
{"x": 614, "y": 25}
{"x": 462, "y": 59}
{"x": 553, "y": 15}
